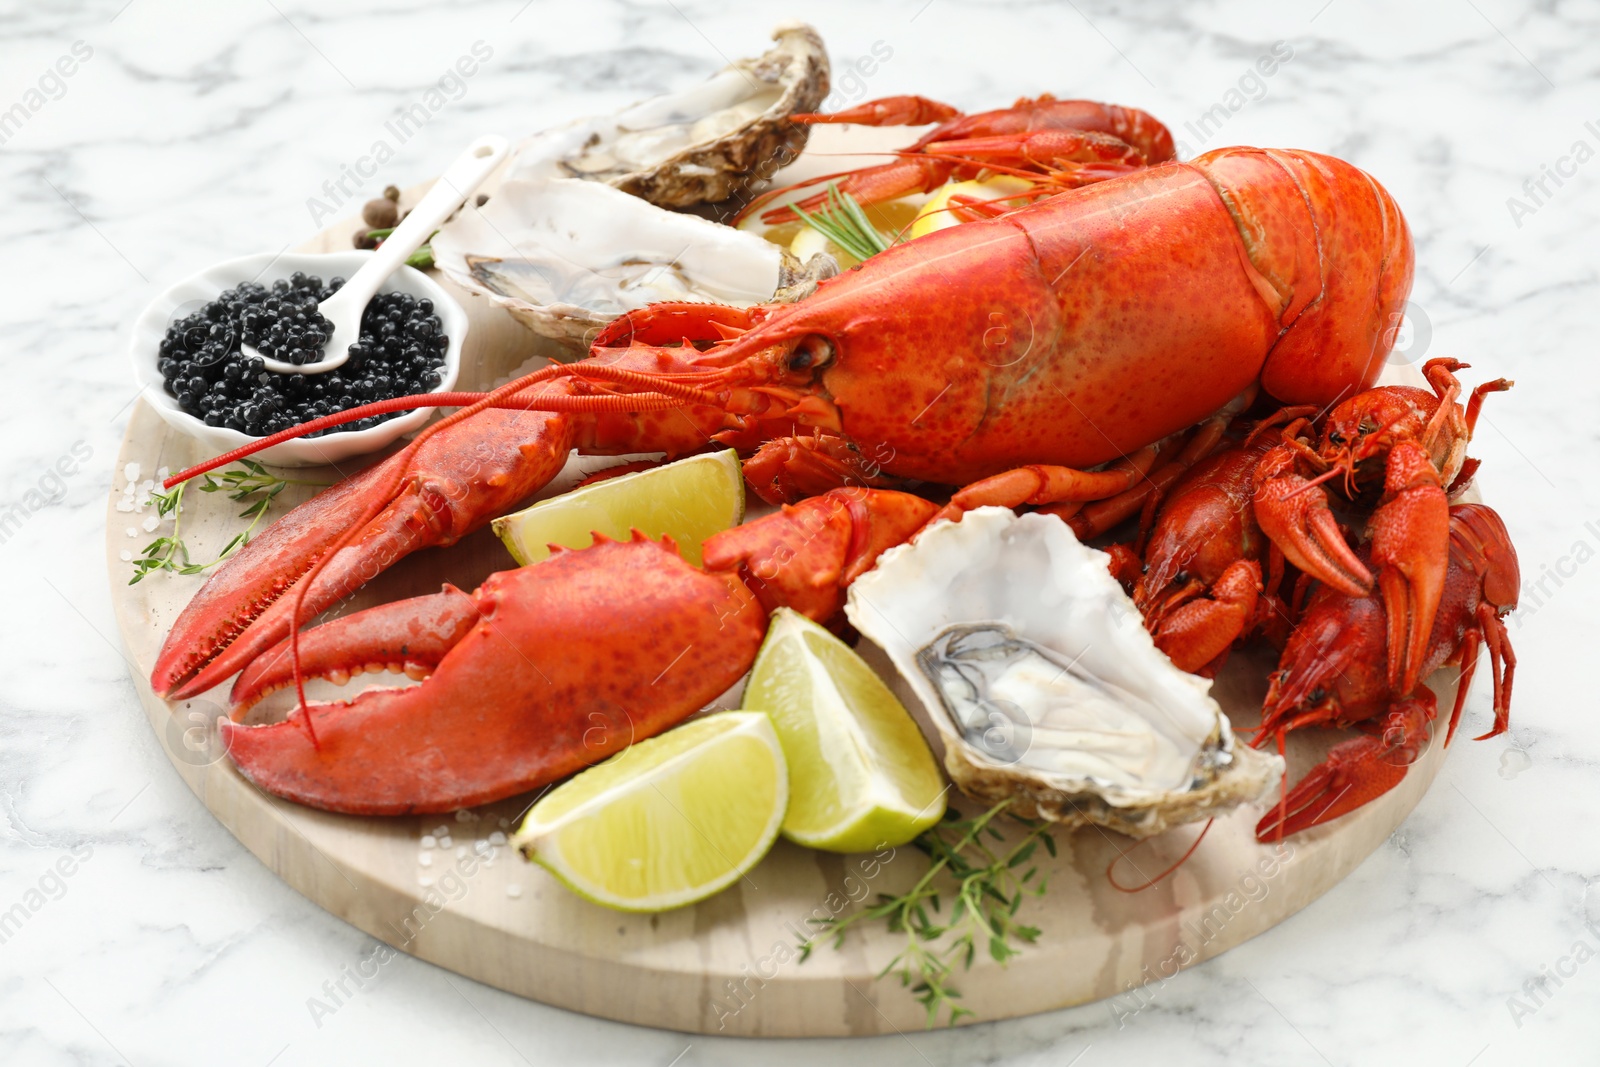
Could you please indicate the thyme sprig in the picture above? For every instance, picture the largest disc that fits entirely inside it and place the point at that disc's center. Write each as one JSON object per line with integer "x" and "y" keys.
{"x": 842, "y": 221}
{"x": 169, "y": 553}
{"x": 991, "y": 880}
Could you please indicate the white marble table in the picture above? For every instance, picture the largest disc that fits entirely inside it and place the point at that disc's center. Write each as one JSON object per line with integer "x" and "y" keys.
{"x": 190, "y": 133}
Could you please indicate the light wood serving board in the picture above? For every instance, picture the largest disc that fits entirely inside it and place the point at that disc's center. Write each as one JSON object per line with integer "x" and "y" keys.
{"x": 727, "y": 965}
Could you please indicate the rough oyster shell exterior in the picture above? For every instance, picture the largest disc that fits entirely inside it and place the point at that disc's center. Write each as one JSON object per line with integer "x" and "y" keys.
{"x": 794, "y": 73}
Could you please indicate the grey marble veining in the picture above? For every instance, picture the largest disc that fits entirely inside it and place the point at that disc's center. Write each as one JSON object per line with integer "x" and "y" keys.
{"x": 192, "y": 133}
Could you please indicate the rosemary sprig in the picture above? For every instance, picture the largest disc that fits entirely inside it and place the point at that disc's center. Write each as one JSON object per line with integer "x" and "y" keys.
{"x": 171, "y": 554}
{"x": 842, "y": 221}
{"x": 991, "y": 881}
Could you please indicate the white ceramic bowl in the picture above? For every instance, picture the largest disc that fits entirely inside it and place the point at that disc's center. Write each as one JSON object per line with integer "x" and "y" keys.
{"x": 188, "y": 295}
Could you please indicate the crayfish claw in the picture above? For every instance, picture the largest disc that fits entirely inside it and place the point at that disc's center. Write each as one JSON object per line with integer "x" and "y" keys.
{"x": 1355, "y": 772}
{"x": 1295, "y": 515}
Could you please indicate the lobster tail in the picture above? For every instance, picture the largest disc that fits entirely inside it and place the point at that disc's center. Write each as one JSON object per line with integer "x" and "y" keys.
{"x": 1329, "y": 250}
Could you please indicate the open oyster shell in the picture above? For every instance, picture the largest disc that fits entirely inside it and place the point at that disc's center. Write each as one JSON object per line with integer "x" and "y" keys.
{"x": 566, "y": 257}
{"x": 1043, "y": 685}
{"x": 697, "y": 146}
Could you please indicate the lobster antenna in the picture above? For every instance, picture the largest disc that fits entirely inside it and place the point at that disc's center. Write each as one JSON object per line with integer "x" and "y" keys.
{"x": 397, "y": 467}
{"x": 1110, "y": 867}
{"x": 663, "y": 394}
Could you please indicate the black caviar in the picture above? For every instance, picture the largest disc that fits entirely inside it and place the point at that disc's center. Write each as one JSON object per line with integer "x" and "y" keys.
{"x": 401, "y": 352}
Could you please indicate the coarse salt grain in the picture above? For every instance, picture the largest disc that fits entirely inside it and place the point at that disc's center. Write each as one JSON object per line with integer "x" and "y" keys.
{"x": 463, "y": 815}
{"x": 513, "y": 891}
{"x": 425, "y": 859}
{"x": 425, "y": 880}
{"x": 133, "y": 532}
{"x": 126, "y": 555}
{"x": 497, "y": 838}
{"x": 444, "y": 842}
{"x": 151, "y": 522}
{"x": 130, "y": 471}
{"x": 428, "y": 841}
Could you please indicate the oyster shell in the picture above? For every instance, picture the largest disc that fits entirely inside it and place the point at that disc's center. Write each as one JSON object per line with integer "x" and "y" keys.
{"x": 697, "y": 146}
{"x": 1042, "y": 683}
{"x": 566, "y": 257}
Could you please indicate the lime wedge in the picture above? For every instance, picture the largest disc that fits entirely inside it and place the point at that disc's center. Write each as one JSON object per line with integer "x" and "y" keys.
{"x": 669, "y": 821}
{"x": 688, "y": 500}
{"x": 861, "y": 776}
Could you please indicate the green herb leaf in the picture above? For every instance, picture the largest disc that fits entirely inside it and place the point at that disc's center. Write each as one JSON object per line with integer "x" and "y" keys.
{"x": 843, "y": 221}
{"x": 988, "y": 894}
{"x": 171, "y": 554}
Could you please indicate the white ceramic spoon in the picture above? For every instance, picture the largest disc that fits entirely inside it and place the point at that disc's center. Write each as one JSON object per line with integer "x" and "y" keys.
{"x": 344, "y": 308}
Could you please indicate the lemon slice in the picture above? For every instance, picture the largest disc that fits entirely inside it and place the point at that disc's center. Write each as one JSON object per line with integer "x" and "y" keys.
{"x": 934, "y": 216}
{"x": 668, "y": 821}
{"x": 861, "y": 776}
{"x": 689, "y": 500}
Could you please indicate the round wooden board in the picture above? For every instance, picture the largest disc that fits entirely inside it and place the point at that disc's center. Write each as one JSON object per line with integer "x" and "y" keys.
{"x": 727, "y": 965}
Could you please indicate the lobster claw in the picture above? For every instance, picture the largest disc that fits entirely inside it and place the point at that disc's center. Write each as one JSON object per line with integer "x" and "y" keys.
{"x": 544, "y": 670}
{"x": 457, "y": 481}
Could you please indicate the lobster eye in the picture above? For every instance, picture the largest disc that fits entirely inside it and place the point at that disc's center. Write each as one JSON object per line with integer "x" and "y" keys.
{"x": 812, "y": 353}
{"x": 1335, "y": 437}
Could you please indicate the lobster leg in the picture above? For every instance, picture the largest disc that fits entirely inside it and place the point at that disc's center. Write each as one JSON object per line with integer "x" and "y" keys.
{"x": 887, "y": 111}
{"x": 875, "y": 185}
{"x": 1355, "y": 772}
{"x": 788, "y": 469}
{"x": 1411, "y": 549}
{"x": 1047, "y": 484}
{"x": 1147, "y": 492}
{"x": 670, "y": 322}
{"x": 805, "y": 556}
{"x": 1059, "y": 154}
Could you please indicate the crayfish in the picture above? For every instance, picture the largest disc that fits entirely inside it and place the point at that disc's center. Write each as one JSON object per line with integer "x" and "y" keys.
{"x": 1427, "y": 583}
